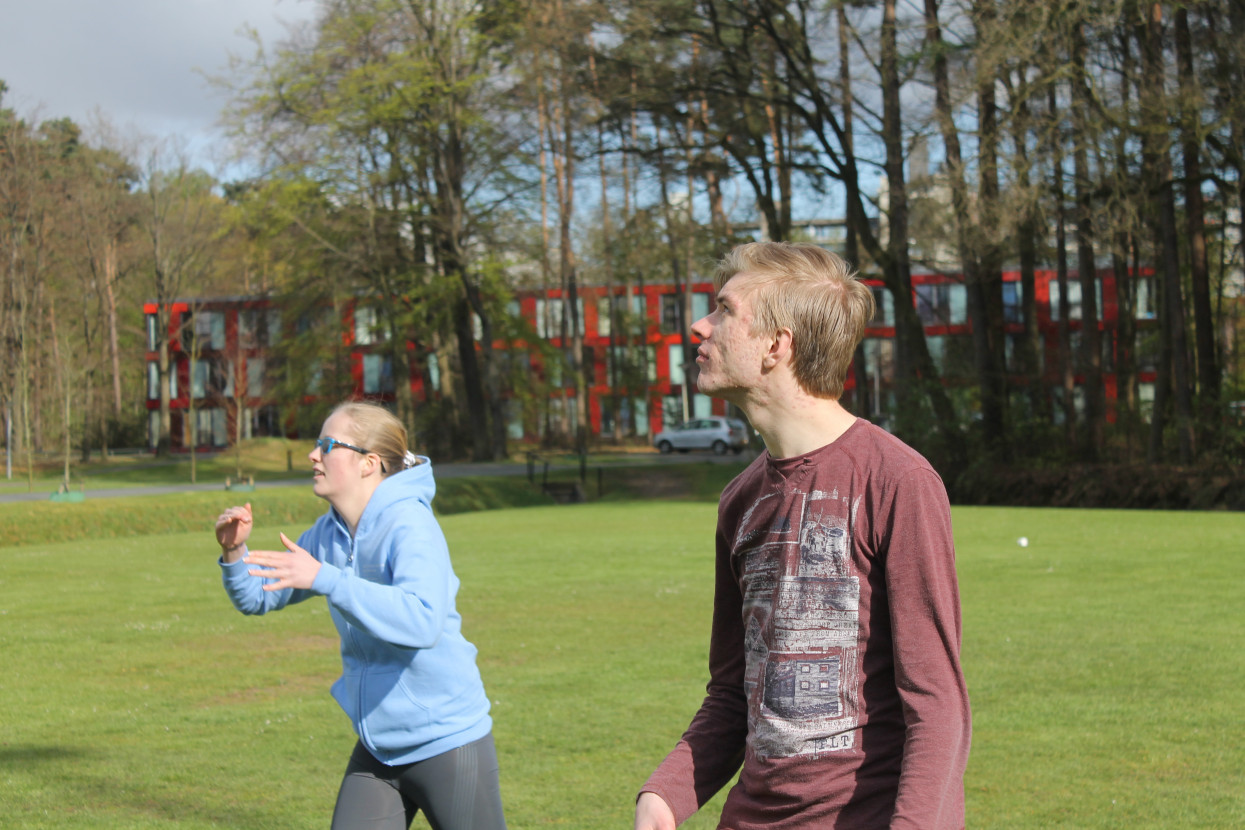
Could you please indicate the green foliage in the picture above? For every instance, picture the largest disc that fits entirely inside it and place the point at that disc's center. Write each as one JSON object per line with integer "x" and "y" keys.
{"x": 1102, "y": 661}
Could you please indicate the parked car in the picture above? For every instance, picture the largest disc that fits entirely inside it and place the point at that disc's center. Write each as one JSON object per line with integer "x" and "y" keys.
{"x": 716, "y": 433}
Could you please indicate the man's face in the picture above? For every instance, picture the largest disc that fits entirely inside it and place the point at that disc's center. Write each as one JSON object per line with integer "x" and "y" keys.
{"x": 730, "y": 355}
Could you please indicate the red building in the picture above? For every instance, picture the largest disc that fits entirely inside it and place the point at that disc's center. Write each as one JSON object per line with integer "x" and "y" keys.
{"x": 224, "y": 354}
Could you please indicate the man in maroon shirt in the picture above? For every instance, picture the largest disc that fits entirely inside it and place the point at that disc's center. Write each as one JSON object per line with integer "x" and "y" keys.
{"x": 835, "y": 684}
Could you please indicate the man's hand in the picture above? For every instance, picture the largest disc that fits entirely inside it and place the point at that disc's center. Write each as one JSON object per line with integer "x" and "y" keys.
{"x": 653, "y": 813}
{"x": 292, "y": 567}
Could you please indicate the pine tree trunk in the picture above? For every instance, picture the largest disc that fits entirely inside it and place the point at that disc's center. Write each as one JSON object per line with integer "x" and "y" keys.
{"x": 1199, "y": 271}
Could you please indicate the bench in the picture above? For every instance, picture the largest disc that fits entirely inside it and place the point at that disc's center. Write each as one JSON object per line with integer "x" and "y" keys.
{"x": 563, "y": 492}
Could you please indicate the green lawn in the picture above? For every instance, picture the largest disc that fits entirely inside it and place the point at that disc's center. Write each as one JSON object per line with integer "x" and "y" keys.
{"x": 1104, "y": 661}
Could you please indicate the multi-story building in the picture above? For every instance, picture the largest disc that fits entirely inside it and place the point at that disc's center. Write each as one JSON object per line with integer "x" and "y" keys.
{"x": 223, "y": 355}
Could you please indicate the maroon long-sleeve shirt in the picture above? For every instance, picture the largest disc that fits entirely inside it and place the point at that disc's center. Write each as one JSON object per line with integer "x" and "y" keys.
{"x": 834, "y": 661}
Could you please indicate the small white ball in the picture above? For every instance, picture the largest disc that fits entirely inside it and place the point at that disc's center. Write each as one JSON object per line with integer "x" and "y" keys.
{"x": 1023, "y": 541}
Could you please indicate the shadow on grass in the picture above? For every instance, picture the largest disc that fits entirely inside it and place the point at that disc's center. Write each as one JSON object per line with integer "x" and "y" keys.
{"x": 31, "y": 754}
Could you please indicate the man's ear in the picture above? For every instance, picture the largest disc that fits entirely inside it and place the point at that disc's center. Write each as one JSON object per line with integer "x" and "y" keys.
{"x": 779, "y": 350}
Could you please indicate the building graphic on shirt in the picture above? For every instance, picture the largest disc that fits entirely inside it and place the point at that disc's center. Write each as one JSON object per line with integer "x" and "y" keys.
{"x": 802, "y": 621}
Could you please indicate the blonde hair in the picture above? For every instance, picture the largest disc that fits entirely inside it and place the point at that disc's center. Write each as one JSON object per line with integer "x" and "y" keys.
{"x": 812, "y": 292}
{"x": 377, "y": 430}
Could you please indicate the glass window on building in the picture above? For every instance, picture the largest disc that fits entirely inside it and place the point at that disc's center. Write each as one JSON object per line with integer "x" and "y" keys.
{"x": 674, "y": 352}
{"x": 434, "y": 372}
{"x": 153, "y": 429}
{"x": 151, "y": 332}
{"x": 367, "y": 329}
{"x": 639, "y": 308}
{"x": 315, "y": 377}
{"x": 211, "y": 427}
{"x": 514, "y": 420}
{"x": 620, "y": 303}
{"x": 265, "y": 421}
{"x": 153, "y": 381}
{"x": 560, "y": 408}
{"x": 255, "y": 377}
{"x": 934, "y": 303}
{"x": 937, "y": 346}
{"x": 220, "y": 431}
{"x": 1057, "y": 398}
{"x": 672, "y": 410}
{"x": 884, "y": 316}
{"x": 549, "y": 314}
{"x": 1013, "y": 302}
{"x": 958, "y": 304}
{"x": 208, "y": 330}
{"x": 553, "y": 370}
{"x": 548, "y": 318}
{"x": 670, "y": 312}
{"x": 702, "y": 406}
{"x": 1013, "y": 348}
{"x": 203, "y": 427}
{"x": 639, "y": 412}
{"x": 272, "y": 327}
{"x": 1145, "y": 400}
{"x": 702, "y": 304}
{"x": 248, "y": 328}
{"x": 217, "y": 336}
{"x": 880, "y": 358}
{"x": 1074, "y": 298}
{"x": 1145, "y": 300}
{"x": 201, "y": 370}
{"x": 377, "y": 374}
{"x": 603, "y": 316}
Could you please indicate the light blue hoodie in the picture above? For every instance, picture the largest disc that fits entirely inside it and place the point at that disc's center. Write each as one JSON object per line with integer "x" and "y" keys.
{"x": 409, "y": 679}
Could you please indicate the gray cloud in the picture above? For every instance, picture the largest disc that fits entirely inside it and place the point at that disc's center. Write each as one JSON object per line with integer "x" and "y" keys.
{"x": 141, "y": 63}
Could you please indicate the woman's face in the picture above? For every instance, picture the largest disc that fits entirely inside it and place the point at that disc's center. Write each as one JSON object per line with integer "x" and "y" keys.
{"x": 336, "y": 471}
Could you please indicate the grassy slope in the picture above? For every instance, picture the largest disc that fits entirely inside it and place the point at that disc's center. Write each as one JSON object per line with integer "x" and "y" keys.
{"x": 1103, "y": 660}
{"x": 98, "y": 518}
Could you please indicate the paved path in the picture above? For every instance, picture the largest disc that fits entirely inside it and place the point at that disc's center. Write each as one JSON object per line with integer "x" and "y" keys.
{"x": 448, "y": 470}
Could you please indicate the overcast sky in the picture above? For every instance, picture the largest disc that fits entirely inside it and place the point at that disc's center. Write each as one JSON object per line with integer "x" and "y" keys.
{"x": 139, "y": 62}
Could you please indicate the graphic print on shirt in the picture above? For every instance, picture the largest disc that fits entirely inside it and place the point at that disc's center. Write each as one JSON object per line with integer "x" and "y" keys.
{"x": 801, "y": 623}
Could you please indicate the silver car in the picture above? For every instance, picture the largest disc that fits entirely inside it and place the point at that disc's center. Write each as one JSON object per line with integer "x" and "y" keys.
{"x": 715, "y": 433}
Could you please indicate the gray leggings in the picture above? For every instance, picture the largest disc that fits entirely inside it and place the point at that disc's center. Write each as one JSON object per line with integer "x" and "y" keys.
{"x": 457, "y": 790}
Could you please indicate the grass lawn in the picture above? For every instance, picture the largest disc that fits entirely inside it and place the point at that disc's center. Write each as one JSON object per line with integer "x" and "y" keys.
{"x": 1104, "y": 662}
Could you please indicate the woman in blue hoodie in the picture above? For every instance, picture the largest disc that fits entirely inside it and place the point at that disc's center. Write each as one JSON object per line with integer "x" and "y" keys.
{"x": 409, "y": 679}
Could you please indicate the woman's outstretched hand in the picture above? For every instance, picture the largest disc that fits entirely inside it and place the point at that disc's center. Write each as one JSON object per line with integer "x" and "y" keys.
{"x": 233, "y": 528}
{"x": 292, "y": 567}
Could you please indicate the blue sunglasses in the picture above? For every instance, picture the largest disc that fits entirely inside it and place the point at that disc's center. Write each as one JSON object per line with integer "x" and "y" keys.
{"x": 326, "y": 446}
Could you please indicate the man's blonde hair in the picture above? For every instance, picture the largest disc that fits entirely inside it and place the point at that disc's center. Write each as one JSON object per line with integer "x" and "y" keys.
{"x": 812, "y": 292}
{"x": 377, "y": 430}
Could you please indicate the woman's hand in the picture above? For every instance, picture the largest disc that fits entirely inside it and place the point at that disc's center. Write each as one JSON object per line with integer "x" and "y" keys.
{"x": 233, "y": 528}
{"x": 292, "y": 567}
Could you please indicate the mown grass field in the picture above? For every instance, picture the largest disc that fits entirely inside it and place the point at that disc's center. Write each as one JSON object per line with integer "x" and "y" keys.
{"x": 1104, "y": 663}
